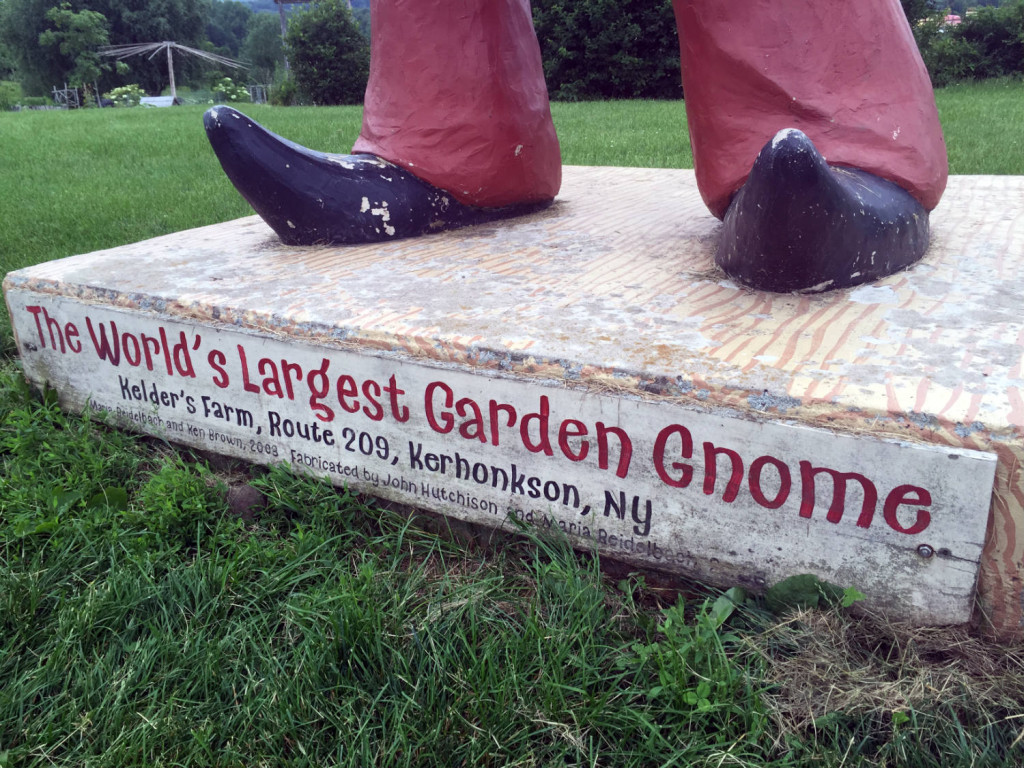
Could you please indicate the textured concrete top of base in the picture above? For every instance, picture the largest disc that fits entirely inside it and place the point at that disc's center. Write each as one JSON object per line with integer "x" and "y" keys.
{"x": 614, "y": 286}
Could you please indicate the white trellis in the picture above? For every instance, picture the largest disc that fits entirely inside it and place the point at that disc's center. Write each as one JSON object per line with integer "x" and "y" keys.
{"x": 258, "y": 93}
{"x": 66, "y": 97}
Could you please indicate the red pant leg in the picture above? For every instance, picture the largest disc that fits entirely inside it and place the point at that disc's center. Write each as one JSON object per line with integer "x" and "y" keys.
{"x": 848, "y": 74}
{"x": 457, "y": 96}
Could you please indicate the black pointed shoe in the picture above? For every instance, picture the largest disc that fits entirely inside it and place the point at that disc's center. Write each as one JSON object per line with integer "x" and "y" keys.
{"x": 313, "y": 198}
{"x": 799, "y": 224}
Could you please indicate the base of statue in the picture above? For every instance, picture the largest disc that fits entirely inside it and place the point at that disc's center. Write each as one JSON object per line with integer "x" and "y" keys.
{"x": 588, "y": 369}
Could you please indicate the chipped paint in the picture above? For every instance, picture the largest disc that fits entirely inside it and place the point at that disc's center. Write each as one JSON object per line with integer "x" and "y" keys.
{"x": 873, "y": 294}
{"x": 385, "y": 216}
{"x": 782, "y": 135}
{"x": 769, "y": 402}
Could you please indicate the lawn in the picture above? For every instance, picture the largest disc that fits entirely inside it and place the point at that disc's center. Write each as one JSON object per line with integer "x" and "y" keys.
{"x": 148, "y": 618}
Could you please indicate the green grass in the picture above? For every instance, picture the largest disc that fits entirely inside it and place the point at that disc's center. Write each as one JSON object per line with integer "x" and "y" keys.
{"x": 982, "y": 126}
{"x": 142, "y": 623}
{"x": 640, "y": 134}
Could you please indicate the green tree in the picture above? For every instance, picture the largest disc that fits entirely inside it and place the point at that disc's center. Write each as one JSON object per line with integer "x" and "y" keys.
{"x": 608, "y": 49}
{"x": 330, "y": 59}
{"x": 21, "y": 24}
{"x": 6, "y": 60}
{"x": 916, "y": 10}
{"x": 998, "y": 36}
{"x": 988, "y": 43}
{"x": 77, "y": 37}
{"x": 129, "y": 21}
{"x": 362, "y": 18}
{"x": 947, "y": 55}
{"x": 262, "y": 47}
{"x": 228, "y": 25}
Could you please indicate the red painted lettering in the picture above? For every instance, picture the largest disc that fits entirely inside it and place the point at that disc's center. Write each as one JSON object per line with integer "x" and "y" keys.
{"x": 373, "y": 409}
{"x": 150, "y": 347}
{"x": 319, "y": 385}
{"x": 447, "y": 420}
{"x": 473, "y": 428}
{"x": 838, "y": 505}
{"x": 247, "y": 385}
{"x": 217, "y": 359}
{"x": 685, "y": 452}
{"x": 271, "y": 379}
{"x": 399, "y": 413}
{"x": 289, "y": 371}
{"x": 510, "y": 421}
{"x": 34, "y": 310}
{"x": 732, "y": 488}
{"x": 625, "y": 448}
{"x": 907, "y": 494}
{"x": 71, "y": 332}
{"x": 347, "y": 389}
{"x": 571, "y": 428}
{"x": 60, "y": 338}
{"x": 543, "y": 444}
{"x": 757, "y": 489}
{"x": 165, "y": 348}
{"x": 110, "y": 351}
{"x": 131, "y": 348}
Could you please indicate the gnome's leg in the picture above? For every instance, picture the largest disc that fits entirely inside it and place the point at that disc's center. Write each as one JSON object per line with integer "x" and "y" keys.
{"x": 815, "y": 137}
{"x": 456, "y": 130}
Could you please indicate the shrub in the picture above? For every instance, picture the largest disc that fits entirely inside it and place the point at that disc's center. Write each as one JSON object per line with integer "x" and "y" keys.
{"x": 284, "y": 94}
{"x": 226, "y": 89}
{"x": 35, "y": 101}
{"x": 330, "y": 59}
{"x": 988, "y": 43}
{"x": 125, "y": 95}
{"x": 10, "y": 94}
{"x": 609, "y": 49}
{"x": 998, "y": 36}
{"x": 947, "y": 55}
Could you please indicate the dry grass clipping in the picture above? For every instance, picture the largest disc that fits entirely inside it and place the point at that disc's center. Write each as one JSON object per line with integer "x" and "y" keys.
{"x": 824, "y": 661}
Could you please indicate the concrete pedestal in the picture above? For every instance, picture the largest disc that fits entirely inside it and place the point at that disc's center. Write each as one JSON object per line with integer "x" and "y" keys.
{"x": 588, "y": 368}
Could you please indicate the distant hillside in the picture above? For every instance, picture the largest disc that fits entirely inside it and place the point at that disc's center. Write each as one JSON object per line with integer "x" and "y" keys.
{"x": 269, "y": 6}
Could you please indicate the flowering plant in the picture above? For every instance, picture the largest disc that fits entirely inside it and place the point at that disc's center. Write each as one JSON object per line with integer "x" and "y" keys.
{"x": 125, "y": 95}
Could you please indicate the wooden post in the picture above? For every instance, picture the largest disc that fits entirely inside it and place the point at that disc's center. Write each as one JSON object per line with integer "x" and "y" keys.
{"x": 170, "y": 71}
{"x": 284, "y": 30}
